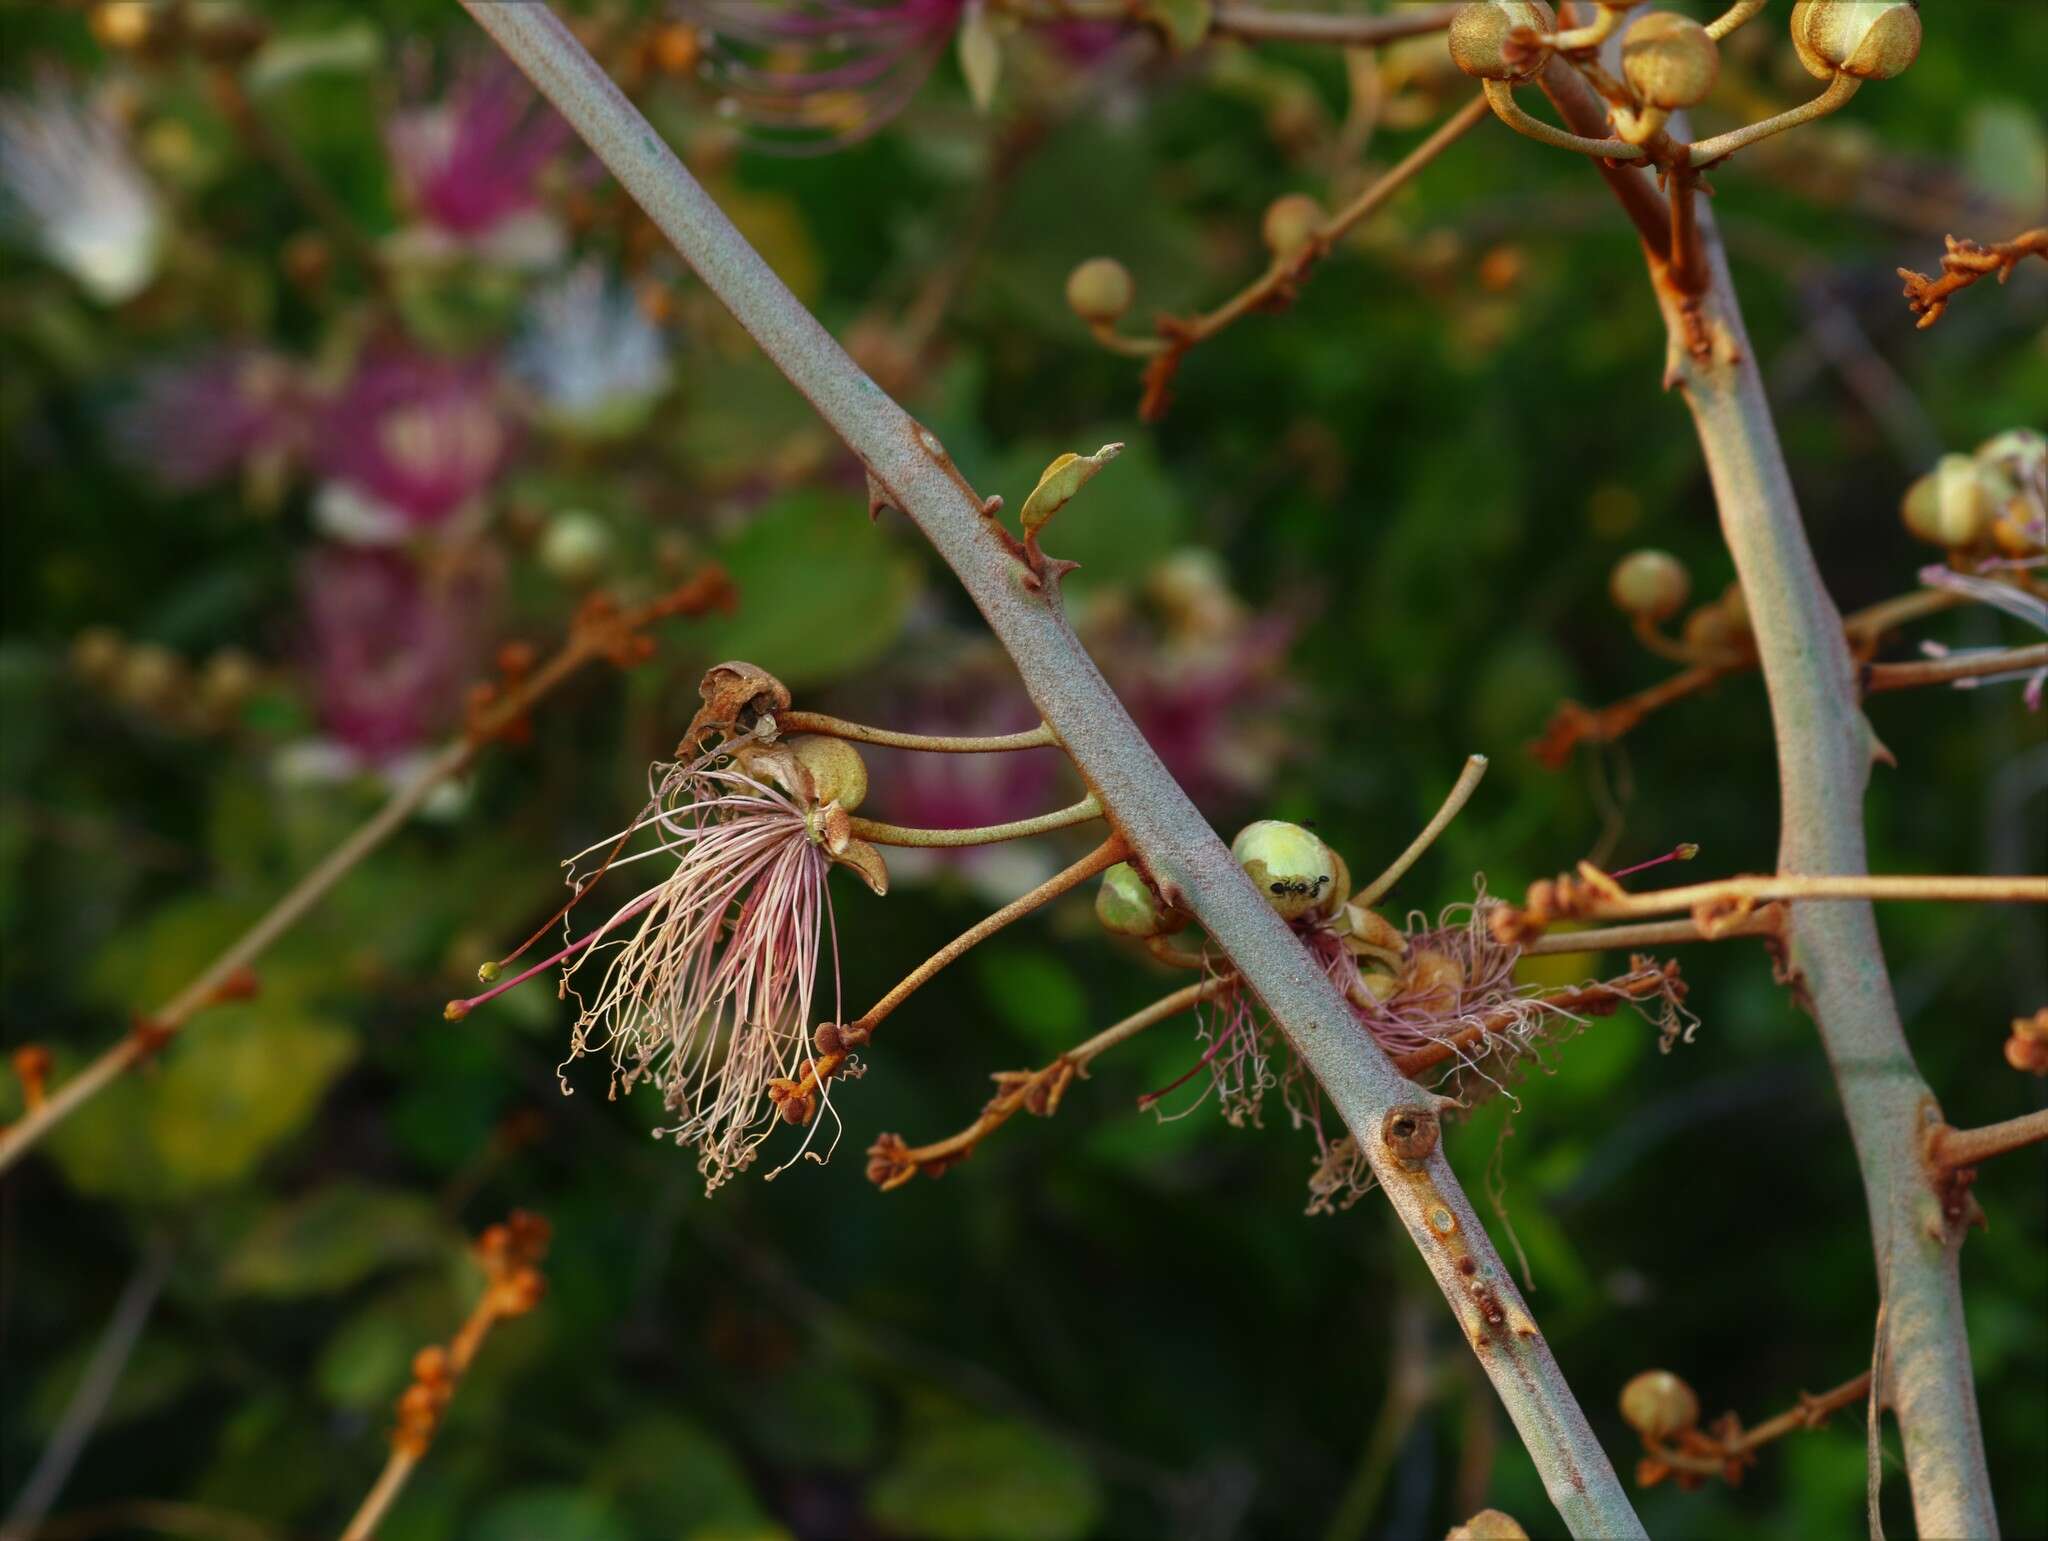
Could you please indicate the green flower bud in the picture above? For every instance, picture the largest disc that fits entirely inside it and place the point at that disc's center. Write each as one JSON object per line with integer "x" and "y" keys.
{"x": 838, "y": 773}
{"x": 1291, "y": 222}
{"x": 1100, "y": 290}
{"x": 576, "y": 547}
{"x": 1952, "y": 506}
{"x": 1657, "y": 1405}
{"x": 1869, "y": 39}
{"x": 1488, "y": 1525}
{"x": 1127, "y": 906}
{"x": 1670, "y": 60}
{"x": 1492, "y": 38}
{"x": 1292, "y": 867}
{"x": 1649, "y": 583}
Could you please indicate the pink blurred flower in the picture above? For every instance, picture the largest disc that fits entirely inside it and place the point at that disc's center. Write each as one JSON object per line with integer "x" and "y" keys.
{"x": 195, "y": 421}
{"x": 818, "y": 74}
{"x": 470, "y": 165}
{"x": 409, "y": 442}
{"x": 392, "y": 647}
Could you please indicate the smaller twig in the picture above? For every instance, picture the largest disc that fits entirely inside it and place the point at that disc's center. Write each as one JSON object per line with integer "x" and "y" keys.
{"x": 1707, "y": 151}
{"x": 1767, "y": 921}
{"x": 1963, "y": 264}
{"x": 891, "y": 1163}
{"x": 1039, "y": 737}
{"x": 1949, "y": 1148}
{"x": 1593, "y": 895}
{"x": 1727, "y": 1449}
{"x": 1500, "y": 96}
{"x": 510, "y": 1253}
{"x": 878, "y": 833}
{"x": 599, "y": 631}
{"x": 1958, "y": 666}
{"x": 1461, "y": 793}
{"x": 1282, "y": 280}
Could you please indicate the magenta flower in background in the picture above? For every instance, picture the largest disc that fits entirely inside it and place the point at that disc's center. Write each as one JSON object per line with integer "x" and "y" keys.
{"x": 814, "y": 75}
{"x": 470, "y": 167}
{"x": 392, "y": 647}
{"x": 409, "y": 442}
{"x": 224, "y": 411}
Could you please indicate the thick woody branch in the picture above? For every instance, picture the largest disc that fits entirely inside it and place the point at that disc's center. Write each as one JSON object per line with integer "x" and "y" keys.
{"x": 1184, "y": 855}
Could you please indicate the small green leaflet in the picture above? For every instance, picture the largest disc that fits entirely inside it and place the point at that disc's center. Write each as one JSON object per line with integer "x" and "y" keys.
{"x": 1062, "y": 479}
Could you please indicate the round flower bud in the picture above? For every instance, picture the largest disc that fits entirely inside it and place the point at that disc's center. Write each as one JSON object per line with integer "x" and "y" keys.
{"x": 1488, "y": 1525}
{"x": 1711, "y": 629}
{"x": 1869, "y": 39}
{"x": 226, "y": 683}
{"x": 1952, "y": 506}
{"x": 838, "y": 773}
{"x": 1100, "y": 290}
{"x": 1340, "y": 890}
{"x": 1293, "y": 868}
{"x": 576, "y": 547}
{"x": 1127, "y": 906}
{"x": 97, "y": 654}
{"x": 1657, "y": 1405}
{"x": 152, "y": 677}
{"x": 1670, "y": 60}
{"x": 1291, "y": 222}
{"x": 1491, "y": 38}
{"x": 1649, "y": 583}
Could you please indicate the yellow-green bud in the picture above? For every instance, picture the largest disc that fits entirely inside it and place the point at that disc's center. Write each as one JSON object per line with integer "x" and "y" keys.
{"x": 1291, "y": 222}
{"x": 1127, "y": 906}
{"x": 1657, "y": 1405}
{"x": 151, "y": 676}
{"x": 1670, "y": 60}
{"x": 1491, "y": 38}
{"x": 576, "y": 546}
{"x": 1488, "y": 1525}
{"x": 1340, "y": 889}
{"x": 838, "y": 773}
{"x": 1869, "y": 39}
{"x": 1292, "y": 867}
{"x": 1952, "y": 506}
{"x": 1100, "y": 290}
{"x": 97, "y": 654}
{"x": 1649, "y": 583}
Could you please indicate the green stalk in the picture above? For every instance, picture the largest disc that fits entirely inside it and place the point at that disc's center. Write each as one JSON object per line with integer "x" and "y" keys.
{"x": 1387, "y": 1114}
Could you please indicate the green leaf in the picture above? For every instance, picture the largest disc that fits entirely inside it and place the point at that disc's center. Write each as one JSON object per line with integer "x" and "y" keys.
{"x": 1058, "y": 483}
{"x": 1034, "y": 991}
{"x": 238, "y": 1081}
{"x": 336, "y": 1237}
{"x": 671, "y": 1477}
{"x": 986, "y": 1481}
{"x": 822, "y": 591}
{"x": 1141, "y": 517}
{"x": 549, "y": 1514}
{"x": 1185, "y": 22}
{"x": 2006, "y": 152}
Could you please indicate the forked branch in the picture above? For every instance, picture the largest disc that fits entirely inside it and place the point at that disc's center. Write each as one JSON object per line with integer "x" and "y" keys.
{"x": 1144, "y": 805}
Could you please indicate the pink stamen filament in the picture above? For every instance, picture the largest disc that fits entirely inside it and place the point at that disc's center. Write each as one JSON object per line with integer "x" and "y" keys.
{"x": 1222, "y": 1040}
{"x": 570, "y": 951}
{"x": 1685, "y": 852}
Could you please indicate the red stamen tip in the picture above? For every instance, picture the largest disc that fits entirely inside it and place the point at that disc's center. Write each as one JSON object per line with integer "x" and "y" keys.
{"x": 1684, "y": 852}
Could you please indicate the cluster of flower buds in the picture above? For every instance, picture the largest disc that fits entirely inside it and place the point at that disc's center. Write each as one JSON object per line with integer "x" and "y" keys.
{"x": 32, "y": 1063}
{"x": 422, "y": 1403}
{"x": 152, "y": 681}
{"x": 1994, "y": 501}
{"x": 1665, "y": 1412}
{"x": 1650, "y": 587}
{"x": 1670, "y": 63}
{"x": 2026, "y": 1049}
{"x": 510, "y": 1253}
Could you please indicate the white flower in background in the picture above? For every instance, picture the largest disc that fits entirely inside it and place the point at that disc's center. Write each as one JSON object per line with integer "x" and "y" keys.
{"x": 67, "y": 170}
{"x": 592, "y": 360}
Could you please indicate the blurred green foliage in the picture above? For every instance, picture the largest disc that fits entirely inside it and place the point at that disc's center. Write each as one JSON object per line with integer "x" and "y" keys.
{"x": 1101, "y": 1326}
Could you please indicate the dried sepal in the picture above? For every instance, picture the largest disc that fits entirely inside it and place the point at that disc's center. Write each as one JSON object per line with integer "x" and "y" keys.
{"x": 735, "y": 694}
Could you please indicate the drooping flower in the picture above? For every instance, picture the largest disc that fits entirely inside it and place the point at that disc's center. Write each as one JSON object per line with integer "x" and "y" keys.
{"x": 2020, "y": 603}
{"x": 410, "y": 442}
{"x": 197, "y": 420}
{"x": 470, "y": 167}
{"x": 66, "y": 167}
{"x": 592, "y": 361}
{"x": 392, "y": 647}
{"x": 814, "y": 75}
{"x": 705, "y": 983}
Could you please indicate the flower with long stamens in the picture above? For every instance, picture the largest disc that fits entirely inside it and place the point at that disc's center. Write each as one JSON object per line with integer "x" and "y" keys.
{"x": 66, "y": 167}
{"x": 814, "y": 75}
{"x": 704, "y": 984}
{"x": 590, "y": 360}
{"x": 470, "y": 167}
{"x": 229, "y": 409}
